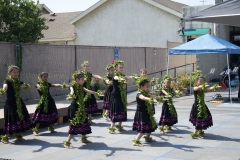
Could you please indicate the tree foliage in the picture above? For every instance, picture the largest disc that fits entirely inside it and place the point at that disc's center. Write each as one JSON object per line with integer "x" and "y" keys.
{"x": 20, "y": 21}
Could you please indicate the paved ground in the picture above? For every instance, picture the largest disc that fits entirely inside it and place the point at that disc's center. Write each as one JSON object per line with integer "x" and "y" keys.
{"x": 221, "y": 142}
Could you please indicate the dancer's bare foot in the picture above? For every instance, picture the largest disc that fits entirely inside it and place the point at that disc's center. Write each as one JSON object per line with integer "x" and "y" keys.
{"x": 67, "y": 145}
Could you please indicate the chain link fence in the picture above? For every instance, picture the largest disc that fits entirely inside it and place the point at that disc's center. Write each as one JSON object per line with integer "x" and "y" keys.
{"x": 60, "y": 61}
{"x": 7, "y": 51}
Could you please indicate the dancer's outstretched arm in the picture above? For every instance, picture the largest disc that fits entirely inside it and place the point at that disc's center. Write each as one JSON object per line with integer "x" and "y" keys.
{"x": 96, "y": 76}
{"x": 4, "y": 89}
{"x": 142, "y": 97}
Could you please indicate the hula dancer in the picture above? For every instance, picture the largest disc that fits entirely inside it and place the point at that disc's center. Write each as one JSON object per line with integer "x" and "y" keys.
{"x": 118, "y": 105}
{"x": 78, "y": 117}
{"x": 143, "y": 72}
{"x": 46, "y": 111}
{"x": 91, "y": 102}
{"x": 95, "y": 84}
{"x": 107, "y": 95}
{"x": 200, "y": 115}
{"x": 144, "y": 121}
{"x": 16, "y": 115}
{"x": 169, "y": 114}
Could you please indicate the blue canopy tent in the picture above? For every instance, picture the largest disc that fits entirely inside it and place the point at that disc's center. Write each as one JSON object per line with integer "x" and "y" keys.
{"x": 207, "y": 44}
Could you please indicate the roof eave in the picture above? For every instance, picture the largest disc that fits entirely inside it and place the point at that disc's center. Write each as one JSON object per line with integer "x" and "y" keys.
{"x": 164, "y": 8}
{"x": 44, "y": 6}
{"x": 88, "y": 11}
{"x": 103, "y": 1}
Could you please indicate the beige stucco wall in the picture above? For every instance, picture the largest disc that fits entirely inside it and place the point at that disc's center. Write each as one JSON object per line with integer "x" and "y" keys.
{"x": 129, "y": 23}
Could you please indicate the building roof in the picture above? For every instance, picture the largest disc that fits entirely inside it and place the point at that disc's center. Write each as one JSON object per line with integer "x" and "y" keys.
{"x": 45, "y": 9}
{"x": 171, "y": 4}
{"x": 59, "y": 27}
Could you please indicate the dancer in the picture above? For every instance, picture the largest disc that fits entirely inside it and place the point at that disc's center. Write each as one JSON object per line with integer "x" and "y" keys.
{"x": 95, "y": 84}
{"x": 169, "y": 114}
{"x": 143, "y": 73}
{"x": 78, "y": 117}
{"x": 46, "y": 111}
{"x": 200, "y": 115}
{"x": 107, "y": 96}
{"x": 91, "y": 103}
{"x": 118, "y": 105}
{"x": 16, "y": 116}
{"x": 144, "y": 121}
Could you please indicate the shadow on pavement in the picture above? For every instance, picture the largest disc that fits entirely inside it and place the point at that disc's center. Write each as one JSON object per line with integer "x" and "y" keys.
{"x": 36, "y": 142}
{"x": 183, "y": 147}
{"x": 54, "y": 134}
{"x": 210, "y": 136}
{"x": 100, "y": 146}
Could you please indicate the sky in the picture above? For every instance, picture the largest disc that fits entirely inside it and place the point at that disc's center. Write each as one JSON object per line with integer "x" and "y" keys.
{"x": 81, "y": 5}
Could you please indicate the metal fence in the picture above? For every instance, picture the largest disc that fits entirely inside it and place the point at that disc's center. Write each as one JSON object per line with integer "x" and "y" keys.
{"x": 62, "y": 60}
{"x": 173, "y": 72}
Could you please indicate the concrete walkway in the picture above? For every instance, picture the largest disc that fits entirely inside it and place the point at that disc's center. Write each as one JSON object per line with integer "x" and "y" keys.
{"x": 221, "y": 142}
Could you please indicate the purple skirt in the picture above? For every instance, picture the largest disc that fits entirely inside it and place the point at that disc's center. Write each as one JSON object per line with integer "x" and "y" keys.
{"x": 199, "y": 122}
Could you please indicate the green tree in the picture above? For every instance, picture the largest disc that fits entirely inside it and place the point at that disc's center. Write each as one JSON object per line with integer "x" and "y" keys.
{"x": 20, "y": 21}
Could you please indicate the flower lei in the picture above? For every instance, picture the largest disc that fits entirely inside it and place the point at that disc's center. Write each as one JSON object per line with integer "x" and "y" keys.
{"x": 116, "y": 62}
{"x": 202, "y": 109}
{"x": 109, "y": 66}
{"x": 44, "y": 97}
{"x": 17, "y": 91}
{"x": 88, "y": 84}
{"x": 215, "y": 87}
{"x": 2, "y": 91}
{"x": 170, "y": 101}
{"x": 122, "y": 90}
{"x": 109, "y": 77}
{"x": 80, "y": 115}
{"x": 149, "y": 109}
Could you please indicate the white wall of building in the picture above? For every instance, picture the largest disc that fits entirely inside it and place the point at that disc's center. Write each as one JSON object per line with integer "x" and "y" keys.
{"x": 132, "y": 23}
{"x": 188, "y": 11}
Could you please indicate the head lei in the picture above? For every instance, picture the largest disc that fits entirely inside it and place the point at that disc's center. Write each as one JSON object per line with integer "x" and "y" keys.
{"x": 109, "y": 66}
{"x": 166, "y": 77}
{"x": 84, "y": 63}
{"x": 143, "y": 70}
{"x": 41, "y": 74}
{"x": 118, "y": 62}
{"x": 200, "y": 76}
{"x": 141, "y": 81}
{"x": 12, "y": 67}
{"x": 79, "y": 75}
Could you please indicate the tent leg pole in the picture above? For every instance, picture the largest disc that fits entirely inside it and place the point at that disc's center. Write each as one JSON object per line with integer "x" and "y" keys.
{"x": 191, "y": 78}
{"x": 168, "y": 63}
{"x": 229, "y": 81}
